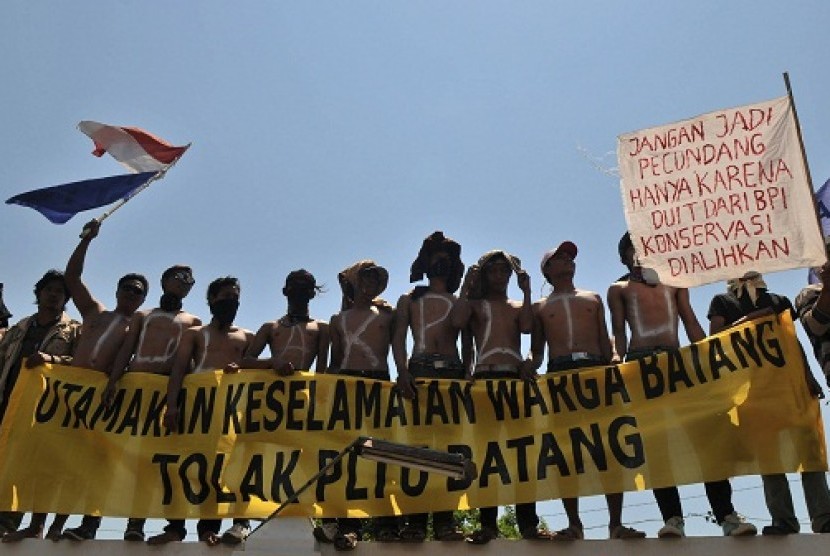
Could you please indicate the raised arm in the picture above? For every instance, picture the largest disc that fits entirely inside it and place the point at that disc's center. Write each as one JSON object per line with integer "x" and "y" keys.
{"x": 461, "y": 310}
{"x": 81, "y": 296}
{"x": 526, "y": 313}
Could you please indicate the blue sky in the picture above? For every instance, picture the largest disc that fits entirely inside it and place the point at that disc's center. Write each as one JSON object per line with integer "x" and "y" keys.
{"x": 328, "y": 132}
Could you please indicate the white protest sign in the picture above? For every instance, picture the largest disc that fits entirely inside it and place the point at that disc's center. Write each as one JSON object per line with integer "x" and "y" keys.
{"x": 712, "y": 197}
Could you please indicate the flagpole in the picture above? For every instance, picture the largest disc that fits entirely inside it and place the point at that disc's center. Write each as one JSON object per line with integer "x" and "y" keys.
{"x": 157, "y": 176}
{"x": 804, "y": 159}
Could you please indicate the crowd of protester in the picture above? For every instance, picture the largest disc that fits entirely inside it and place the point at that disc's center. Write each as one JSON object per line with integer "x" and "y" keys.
{"x": 462, "y": 325}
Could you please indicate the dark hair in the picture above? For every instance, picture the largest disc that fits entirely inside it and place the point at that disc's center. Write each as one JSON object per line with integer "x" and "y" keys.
{"x": 219, "y": 283}
{"x": 52, "y": 275}
{"x": 174, "y": 269}
{"x": 134, "y": 276}
{"x": 303, "y": 278}
{"x": 625, "y": 244}
{"x": 5, "y": 314}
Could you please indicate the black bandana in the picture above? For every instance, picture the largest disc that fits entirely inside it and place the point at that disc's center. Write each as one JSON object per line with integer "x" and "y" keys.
{"x": 170, "y": 303}
{"x": 224, "y": 311}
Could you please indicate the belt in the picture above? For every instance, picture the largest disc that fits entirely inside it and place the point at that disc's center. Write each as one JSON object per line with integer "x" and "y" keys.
{"x": 575, "y": 356}
{"x": 373, "y": 374}
{"x": 640, "y": 353}
{"x": 501, "y": 367}
{"x": 435, "y": 366}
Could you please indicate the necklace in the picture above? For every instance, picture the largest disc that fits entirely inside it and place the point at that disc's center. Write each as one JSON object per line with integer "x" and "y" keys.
{"x": 289, "y": 319}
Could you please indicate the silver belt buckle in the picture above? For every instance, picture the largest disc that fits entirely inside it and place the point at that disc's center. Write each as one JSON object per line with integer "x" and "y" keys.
{"x": 580, "y": 356}
{"x": 439, "y": 364}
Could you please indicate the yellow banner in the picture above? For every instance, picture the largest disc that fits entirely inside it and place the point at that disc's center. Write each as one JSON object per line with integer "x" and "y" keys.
{"x": 734, "y": 404}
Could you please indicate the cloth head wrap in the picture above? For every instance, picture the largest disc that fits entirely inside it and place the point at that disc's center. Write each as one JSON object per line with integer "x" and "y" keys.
{"x": 350, "y": 279}
{"x": 750, "y": 283}
{"x": 438, "y": 243}
{"x": 475, "y": 271}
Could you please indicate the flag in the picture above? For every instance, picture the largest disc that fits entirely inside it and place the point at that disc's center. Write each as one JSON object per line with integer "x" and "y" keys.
{"x": 823, "y": 208}
{"x": 135, "y": 149}
{"x": 61, "y": 202}
{"x": 823, "y": 204}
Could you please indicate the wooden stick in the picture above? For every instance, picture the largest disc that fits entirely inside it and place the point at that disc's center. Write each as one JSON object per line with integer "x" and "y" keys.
{"x": 804, "y": 158}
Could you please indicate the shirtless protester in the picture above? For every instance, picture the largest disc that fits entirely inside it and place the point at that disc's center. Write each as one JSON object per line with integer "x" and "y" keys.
{"x": 497, "y": 324}
{"x": 218, "y": 345}
{"x": 361, "y": 334}
{"x": 295, "y": 340}
{"x": 426, "y": 311}
{"x": 150, "y": 346}
{"x": 571, "y": 322}
{"x": 102, "y": 334}
{"x": 652, "y": 311}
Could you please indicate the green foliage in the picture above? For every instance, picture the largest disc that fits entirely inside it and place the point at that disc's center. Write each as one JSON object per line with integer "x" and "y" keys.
{"x": 469, "y": 521}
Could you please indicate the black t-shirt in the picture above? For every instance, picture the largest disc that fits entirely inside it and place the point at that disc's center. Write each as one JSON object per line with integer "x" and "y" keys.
{"x": 732, "y": 308}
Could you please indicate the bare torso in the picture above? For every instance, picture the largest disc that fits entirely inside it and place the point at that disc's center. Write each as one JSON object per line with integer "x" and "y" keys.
{"x": 572, "y": 322}
{"x": 214, "y": 349}
{"x": 296, "y": 345}
{"x": 101, "y": 338}
{"x": 651, "y": 314}
{"x": 495, "y": 326}
{"x": 432, "y": 329}
{"x": 365, "y": 336}
{"x": 159, "y": 338}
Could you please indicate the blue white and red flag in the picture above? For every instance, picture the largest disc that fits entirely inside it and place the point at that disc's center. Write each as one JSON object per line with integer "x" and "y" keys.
{"x": 139, "y": 151}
